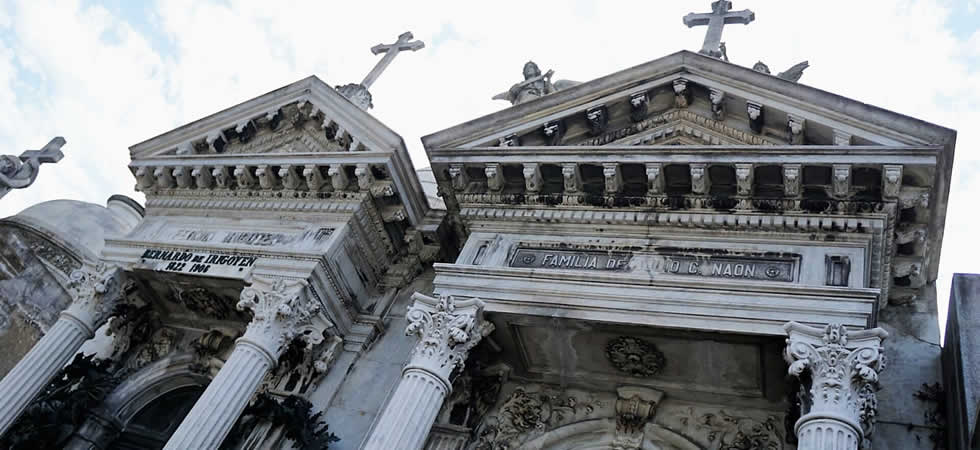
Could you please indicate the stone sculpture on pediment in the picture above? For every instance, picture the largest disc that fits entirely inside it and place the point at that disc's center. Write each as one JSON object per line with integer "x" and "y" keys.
{"x": 535, "y": 85}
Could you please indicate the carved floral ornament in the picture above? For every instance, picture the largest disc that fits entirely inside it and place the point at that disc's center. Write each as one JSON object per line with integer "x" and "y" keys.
{"x": 281, "y": 312}
{"x": 448, "y": 329}
{"x": 840, "y": 373}
{"x": 635, "y": 356}
{"x": 95, "y": 291}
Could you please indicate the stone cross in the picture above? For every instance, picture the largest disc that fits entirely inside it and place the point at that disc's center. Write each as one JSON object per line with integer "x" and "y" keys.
{"x": 716, "y": 20}
{"x": 404, "y": 42}
{"x": 20, "y": 172}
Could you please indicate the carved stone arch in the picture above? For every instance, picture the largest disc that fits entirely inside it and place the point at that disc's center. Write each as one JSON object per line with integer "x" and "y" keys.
{"x": 156, "y": 379}
{"x": 167, "y": 375}
{"x": 600, "y": 434}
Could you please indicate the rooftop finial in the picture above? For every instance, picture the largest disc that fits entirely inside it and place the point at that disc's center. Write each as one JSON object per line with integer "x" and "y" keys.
{"x": 20, "y": 172}
{"x": 358, "y": 93}
{"x": 716, "y": 20}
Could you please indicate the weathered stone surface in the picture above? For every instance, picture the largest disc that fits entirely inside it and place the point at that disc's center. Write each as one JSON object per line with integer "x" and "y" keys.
{"x": 961, "y": 361}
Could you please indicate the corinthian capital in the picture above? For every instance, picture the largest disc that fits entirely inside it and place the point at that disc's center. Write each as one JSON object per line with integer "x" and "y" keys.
{"x": 95, "y": 291}
{"x": 281, "y": 311}
{"x": 447, "y": 329}
{"x": 838, "y": 370}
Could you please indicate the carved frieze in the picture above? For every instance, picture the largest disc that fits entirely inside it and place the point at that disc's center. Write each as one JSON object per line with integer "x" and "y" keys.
{"x": 676, "y": 123}
{"x": 530, "y": 411}
{"x": 724, "y": 430}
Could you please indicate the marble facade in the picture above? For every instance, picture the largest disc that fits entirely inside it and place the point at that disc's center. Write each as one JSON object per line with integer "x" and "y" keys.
{"x": 686, "y": 254}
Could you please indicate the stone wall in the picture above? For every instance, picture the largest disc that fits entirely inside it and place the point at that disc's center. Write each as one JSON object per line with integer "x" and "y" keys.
{"x": 910, "y": 413}
{"x": 961, "y": 362}
{"x": 30, "y": 295}
{"x": 358, "y": 385}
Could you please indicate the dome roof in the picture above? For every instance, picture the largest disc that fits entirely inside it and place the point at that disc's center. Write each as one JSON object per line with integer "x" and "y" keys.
{"x": 80, "y": 226}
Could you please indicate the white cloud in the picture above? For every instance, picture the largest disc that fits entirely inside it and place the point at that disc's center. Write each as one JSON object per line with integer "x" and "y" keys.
{"x": 87, "y": 74}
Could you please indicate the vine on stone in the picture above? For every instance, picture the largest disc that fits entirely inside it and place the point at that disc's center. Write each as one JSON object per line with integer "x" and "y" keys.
{"x": 49, "y": 421}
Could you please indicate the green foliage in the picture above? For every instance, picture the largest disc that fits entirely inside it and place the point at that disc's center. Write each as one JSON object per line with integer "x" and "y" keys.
{"x": 294, "y": 414}
{"x": 49, "y": 421}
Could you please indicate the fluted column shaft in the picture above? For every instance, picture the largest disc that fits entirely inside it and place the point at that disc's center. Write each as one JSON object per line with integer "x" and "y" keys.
{"x": 839, "y": 374}
{"x": 412, "y": 410}
{"x": 447, "y": 329}
{"x": 94, "y": 293}
{"x": 36, "y": 369}
{"x": 280, "y": 312}
{"x": 216, "y": 411}
{"x": 821, "y": 433}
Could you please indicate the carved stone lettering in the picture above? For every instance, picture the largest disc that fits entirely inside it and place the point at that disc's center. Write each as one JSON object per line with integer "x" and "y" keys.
{"x": 732, "y": 268}
{"x": 567, "y": 259}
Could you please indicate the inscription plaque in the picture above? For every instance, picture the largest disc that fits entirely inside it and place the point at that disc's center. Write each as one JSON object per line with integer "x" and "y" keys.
{"x": 540, "y": 258}
{"x": 201, "y": 263}
{"x": 729, "y": 267}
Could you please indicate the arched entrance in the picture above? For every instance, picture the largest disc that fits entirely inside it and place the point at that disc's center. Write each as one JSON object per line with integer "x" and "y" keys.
{"x": 153, "y": 425}
{"x": 601, "y": 434}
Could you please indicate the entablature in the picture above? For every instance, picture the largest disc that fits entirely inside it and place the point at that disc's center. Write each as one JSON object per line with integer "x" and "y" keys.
{"x": 756, "y": 309}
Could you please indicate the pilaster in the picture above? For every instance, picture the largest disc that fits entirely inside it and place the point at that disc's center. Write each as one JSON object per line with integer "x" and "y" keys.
{"x": 838, "y": 371}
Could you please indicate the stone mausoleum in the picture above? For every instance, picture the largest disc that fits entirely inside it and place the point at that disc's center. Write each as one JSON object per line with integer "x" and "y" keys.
{"x": 686, "y": 254}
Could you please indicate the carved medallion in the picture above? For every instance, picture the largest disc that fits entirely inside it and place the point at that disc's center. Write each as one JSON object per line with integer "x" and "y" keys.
{"x": 635, "y": 356}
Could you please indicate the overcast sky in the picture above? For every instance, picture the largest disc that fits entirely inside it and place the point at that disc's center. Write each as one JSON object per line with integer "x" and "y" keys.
{"x": 106, "y": 75}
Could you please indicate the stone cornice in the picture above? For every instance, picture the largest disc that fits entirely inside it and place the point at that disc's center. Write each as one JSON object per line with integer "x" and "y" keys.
{"x": 804, "y": 101}
{"x": 760, "y": 154}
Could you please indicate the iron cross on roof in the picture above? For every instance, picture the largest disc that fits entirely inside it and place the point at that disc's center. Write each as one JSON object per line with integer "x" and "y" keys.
{"x": 404, "y": 42}
{"x": 716, "y": 20}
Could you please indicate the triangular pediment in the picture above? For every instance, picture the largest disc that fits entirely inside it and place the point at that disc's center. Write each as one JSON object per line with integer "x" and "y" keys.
{"x": 307, "y": 116}
{"x": 714, "y": 99}
{"x": 304, "y": 141}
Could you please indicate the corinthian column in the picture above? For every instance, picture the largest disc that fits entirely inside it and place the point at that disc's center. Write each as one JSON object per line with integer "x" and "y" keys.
{"x": 95, "y": 292}
{"x": 280, "y": 312}
{"x": 447, "y": 330}
{"x": 838, "y": 371}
